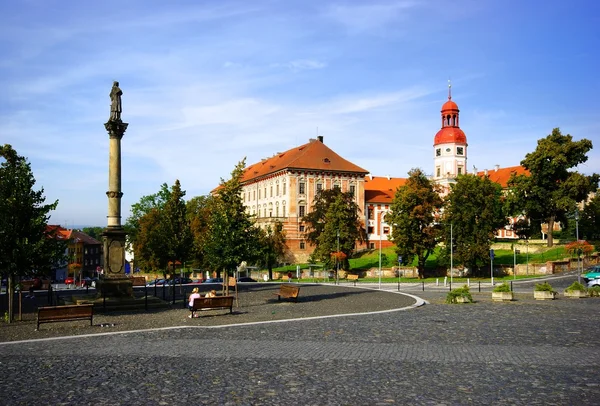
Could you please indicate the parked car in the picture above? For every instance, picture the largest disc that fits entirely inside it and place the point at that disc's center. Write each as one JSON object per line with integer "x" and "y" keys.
{"x": 246, "y": 279}
{"x": 592, "y": 273}
{"x": 157, "y": 281}
{"x": 214, "y": 280}
{"x": 69, "y": 280}
{"x": 89, "y": 282}
{"x": 182, "y": 281}
{"x": 593, "y": 282}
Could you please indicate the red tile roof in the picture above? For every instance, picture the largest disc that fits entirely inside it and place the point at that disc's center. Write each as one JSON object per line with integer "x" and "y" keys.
{"x": 311, "y": 156}
{"x": 501, "y": 175}
{"x": 450, "y": 135}
{"x": 381, "y": 189}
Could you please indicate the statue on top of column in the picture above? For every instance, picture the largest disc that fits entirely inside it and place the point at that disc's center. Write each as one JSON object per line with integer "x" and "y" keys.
{"x": 115, "y": 102}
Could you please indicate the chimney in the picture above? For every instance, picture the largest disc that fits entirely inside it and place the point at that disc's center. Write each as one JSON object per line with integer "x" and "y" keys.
{"x": 388, "y": 177}
{"x": 485, "y": 172}
{"x": 370, "y": 177}
{"x": 496, "y": 167}
{"x": 320, "y": 138}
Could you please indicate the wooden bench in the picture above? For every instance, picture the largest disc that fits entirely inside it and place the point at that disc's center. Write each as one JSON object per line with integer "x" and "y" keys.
{"x": 51, "y": 314}
{"x": 352, "y": 277}
{"x": 288, "y": 291}
{"x": 217, "y": 302}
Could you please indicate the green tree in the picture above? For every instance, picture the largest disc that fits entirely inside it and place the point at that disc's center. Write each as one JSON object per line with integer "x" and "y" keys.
{"x": 232, "y": 236}
{"x": 27, "y": 244}
{"x": 94, "y": 232}
{"x": 474, "y": 209}
{"x": 178, "y": 236}
{"x": 164, "y": 234}
{"x": 550, "y": 191}
{"x": 413, "y": 212}
{"x": 198, "y": 211}
{"x": 273, "y": 246}
{"x": 589, "y": 223}
{"x": 334, "y": 221}
{"x": 144, "y": 206}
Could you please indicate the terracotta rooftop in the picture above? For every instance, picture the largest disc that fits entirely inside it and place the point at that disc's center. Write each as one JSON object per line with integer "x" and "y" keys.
{"x": 501, "y": 175}
{"x": 450, "y": 135}
{"x": 311, "y": 156}
{"x": 381, "y": 189}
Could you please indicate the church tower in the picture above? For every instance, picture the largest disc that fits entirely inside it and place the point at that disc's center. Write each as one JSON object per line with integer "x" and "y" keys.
{"x": 449, "y": 145}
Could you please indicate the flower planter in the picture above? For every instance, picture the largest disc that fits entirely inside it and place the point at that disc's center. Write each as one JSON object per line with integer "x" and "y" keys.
{"x": 502, "y": 296}
{"x": 575, "y": 294}
{"x": 544, "y": 295}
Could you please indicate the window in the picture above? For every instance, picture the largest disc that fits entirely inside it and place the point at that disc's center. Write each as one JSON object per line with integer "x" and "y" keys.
{"x": 370, "y": 230}
{"x": 283, "y": 210}
{"x": 265, "y": 192}
{"x": 276, "y": 211}
{"x": 319, "y": 187}
{"x": 386, "y": 230}
{"x": 438, "y": 172}
{"x": 283, "y": 188}
{"x": 301, "y": 228}
{"x": 353, "y": 189}
{"x": 460, "y": 151}
{"x": 302, "y": 245}
{"x": 372, "y": 245}
{"x": 370, "y": 213}
{"x": 460, "y": 170}
{"x": 301, "y": 211}
{"x": 258, "y": 194}
{"x": 438, "y": 152}
{"x": 336, "y": 186}
{"x": 277, "y": 189}
{"x": 265, "y": 212}
{"x": 254, "y": 195}
{"x": 271, "y": 191}
{"x": 301, "y": 187}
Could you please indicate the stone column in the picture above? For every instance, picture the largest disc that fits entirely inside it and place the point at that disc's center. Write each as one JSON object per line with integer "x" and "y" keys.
{"x": 115, "y": 282}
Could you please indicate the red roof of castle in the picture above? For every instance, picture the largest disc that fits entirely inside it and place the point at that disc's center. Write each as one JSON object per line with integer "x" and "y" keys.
{"x": 502, "y": 175}
{"x": 381, "y": 189}
{"x": 311, "y": 156}
{"x": 450, "y": 135}
{"x": 449, "y": 105}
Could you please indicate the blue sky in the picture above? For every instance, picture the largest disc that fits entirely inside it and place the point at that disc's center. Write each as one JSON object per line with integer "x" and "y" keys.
{"x": 207, "y": 83}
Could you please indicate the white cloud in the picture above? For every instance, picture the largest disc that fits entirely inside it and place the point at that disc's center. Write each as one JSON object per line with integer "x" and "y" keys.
{"x": 300, "y": 65}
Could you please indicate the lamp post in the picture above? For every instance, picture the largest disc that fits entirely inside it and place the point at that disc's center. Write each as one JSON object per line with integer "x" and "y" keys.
{"x": 451, "y": 254}
{"x": 577, "y": 246}
{"x": 380, "y": 240}
{"x": 337, "y": 261}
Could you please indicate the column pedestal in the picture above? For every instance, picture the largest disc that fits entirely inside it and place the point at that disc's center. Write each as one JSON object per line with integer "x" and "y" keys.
{"x": 115, "y": 282}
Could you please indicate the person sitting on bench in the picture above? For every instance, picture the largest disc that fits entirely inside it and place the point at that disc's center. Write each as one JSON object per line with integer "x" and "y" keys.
{"x": 212, "y": 293}
{"x": 194, "y": 295}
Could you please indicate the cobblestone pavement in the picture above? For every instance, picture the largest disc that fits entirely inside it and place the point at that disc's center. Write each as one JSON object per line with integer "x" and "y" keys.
{"x": 524, "y": 352}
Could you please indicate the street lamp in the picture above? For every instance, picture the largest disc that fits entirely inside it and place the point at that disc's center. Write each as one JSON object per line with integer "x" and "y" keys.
{"x": 451, "y": 254}
{"x": 380, "y": 241}
{"x": 577, "y": 246}
{"x": 337, "y": 261}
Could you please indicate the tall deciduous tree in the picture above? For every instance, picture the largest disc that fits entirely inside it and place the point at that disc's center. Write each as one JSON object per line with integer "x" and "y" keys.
{"x": 273, "y": 246}
{"x": 27, "y": 244}
{"x": 334, "y": 221}
{"x": 164, "y": 234}
{"x": 232, "y": 236}
{"x": 198, "y": 211}
{"x": 550, "y": 191}
{"x": 178, "y": 237}
{"x": 413, "y": 213}
{"x": 474, "y": 209}
{"x": 143, "y": 207}
{"x": 589, "y": 223}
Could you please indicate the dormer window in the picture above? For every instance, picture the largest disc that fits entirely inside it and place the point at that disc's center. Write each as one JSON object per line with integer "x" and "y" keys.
{"x": 326, "y": 160}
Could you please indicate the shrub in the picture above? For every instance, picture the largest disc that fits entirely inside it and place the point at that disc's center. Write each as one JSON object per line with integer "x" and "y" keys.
{"x": 594, "y": 291}
{"x": 543, "y": 287}
{"x": 504, "y": 287}
{"x": 459, "y": 292}
{"x": 576, "y": 286}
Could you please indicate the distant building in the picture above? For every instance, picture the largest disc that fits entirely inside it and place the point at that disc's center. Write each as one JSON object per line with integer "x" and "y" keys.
{"x": 283, "y": 186}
